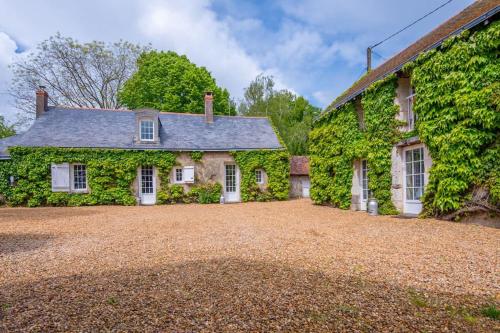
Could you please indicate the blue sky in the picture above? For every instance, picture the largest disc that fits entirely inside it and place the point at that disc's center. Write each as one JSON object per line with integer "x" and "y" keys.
{"x": 315, "y": 48}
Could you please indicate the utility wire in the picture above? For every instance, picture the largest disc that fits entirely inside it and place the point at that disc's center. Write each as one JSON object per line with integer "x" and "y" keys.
{"x": 411, "y": 24}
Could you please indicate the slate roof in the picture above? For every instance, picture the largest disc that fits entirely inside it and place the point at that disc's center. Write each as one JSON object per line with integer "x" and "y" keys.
{"x": 299, "y": 166}
{"x": 476, "y": 13}
{"x": 98, "y": 128}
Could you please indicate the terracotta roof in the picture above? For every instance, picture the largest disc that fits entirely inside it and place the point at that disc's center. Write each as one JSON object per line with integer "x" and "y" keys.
{"x": 299, "y": 166}
{"x": 466, "y": 19}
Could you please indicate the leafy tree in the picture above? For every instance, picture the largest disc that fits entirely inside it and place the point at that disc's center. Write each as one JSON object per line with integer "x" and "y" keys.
{"x": 5, "y": 130}
{"x": 167, "y": 81}
{"x": 292, "y": 115}
{"x": 74, "y": 74}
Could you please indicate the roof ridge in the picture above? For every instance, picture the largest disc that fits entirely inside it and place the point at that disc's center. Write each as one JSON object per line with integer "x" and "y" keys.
{"x": 65, "y": 107}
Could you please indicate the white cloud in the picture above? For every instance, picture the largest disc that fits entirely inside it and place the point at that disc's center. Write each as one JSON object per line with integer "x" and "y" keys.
{"x": 191, "y": 28}
{"x": 8, "y": 49}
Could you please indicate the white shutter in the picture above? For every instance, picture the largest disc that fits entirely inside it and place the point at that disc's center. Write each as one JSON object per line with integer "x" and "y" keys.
{"x": 188, "y": 175}
{"x": 60, "y": 177}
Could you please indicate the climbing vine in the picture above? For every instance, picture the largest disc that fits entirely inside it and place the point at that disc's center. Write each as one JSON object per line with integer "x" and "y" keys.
{"x": 276, "y": 165}
{"x": 458, "y": 98}
{"x": 457, "y": 104}
{"x": 339, "y": 138}
{"x": 196, "y": 155}
{"x": 110, "y": 174}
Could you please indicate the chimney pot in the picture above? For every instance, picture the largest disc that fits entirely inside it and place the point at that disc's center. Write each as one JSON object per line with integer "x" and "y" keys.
{"x": 209, "y": 107}
{"x": 42, "y": 101}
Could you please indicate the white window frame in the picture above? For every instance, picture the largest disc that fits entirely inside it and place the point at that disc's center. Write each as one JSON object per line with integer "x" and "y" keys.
{"x": 365, "y": 190}
{"x": 72, "y": 179}
{"x": 261, "y": 173}
{"x": 68, "y": 178}
{"x": 153, "y": 129}
{"x": 413, "y": 175}
{"x": 175, "y": 180}
{"x": 411, "y": 116}
{"x": 186, "y": 172}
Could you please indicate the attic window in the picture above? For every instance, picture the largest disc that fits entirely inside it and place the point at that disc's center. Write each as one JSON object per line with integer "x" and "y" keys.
{"x": 147, "y": 130}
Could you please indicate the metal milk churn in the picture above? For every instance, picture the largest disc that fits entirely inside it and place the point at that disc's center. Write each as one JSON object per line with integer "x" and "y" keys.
{"x": 372, "y": 206}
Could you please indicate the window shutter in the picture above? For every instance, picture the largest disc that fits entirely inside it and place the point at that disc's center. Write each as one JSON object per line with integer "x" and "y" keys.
{"x": 189, "y": 174}
{"x": 60, "y": 177}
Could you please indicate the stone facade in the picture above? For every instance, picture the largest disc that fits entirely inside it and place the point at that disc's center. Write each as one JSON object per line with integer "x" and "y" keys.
{"x": 398, "y": 165}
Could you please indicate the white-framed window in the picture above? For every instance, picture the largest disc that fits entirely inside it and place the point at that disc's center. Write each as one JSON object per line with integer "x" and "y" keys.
{"x": 178, "y": 175}
{"x": 412, "y": 116}
{"x": 183, "y": 174}
{"x": 414, "y": 160}
{"x": 147, "y": 130}
{"x": 79, "y": 177}
{"x": 259, "y": 176}
{"x": 364, "y": 179}
{"x": 69, "y": 177}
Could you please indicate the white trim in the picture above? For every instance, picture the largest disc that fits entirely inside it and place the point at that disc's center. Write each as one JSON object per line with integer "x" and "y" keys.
{"x": 147, "y": 198}
{"x": 261, "y": 182}
{"x": 174, "y": 175}
{"x": 140, "y": 129}
{"x": 72, "y": 179}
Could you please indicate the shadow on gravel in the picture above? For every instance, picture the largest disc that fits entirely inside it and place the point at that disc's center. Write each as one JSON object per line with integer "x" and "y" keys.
{"x": 11, "y": 243}
{"x": 229, "y": 295}
{"x": 43, "y": 213}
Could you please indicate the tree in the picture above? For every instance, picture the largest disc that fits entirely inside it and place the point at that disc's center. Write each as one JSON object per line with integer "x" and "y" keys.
{"x": 5, "y": 130}
{"x": 167, "y": 81}
{"x": 74, "y": 74}
{"x": 292, "y": 115}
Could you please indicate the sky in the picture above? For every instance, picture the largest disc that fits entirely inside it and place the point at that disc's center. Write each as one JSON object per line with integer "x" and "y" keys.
{"x": 315, "y": 48}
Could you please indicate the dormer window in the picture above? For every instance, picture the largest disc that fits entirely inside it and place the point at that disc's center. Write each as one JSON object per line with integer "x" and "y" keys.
{"x": 147, "y": 130}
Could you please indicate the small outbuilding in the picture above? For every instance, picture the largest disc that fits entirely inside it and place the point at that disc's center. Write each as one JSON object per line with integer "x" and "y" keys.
{"x": 299, "y": 177}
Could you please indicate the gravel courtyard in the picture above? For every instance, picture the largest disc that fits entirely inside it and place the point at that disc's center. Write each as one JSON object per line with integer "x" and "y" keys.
{"x": 279, "y": 266}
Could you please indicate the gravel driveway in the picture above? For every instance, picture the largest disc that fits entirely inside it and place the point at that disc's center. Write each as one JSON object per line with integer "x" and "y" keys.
{"x": 279, "y": 266}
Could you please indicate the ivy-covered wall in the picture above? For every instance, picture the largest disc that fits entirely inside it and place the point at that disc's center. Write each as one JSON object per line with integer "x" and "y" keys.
{"x": 457, "y": 104}
{"x": 338, "y": 139}
{"x": 458, "y": 98}
{"x": 276, "y": 164}
{"x": 111, "y": 173}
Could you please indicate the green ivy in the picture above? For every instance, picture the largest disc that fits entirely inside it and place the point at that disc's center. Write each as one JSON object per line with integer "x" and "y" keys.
{"x": 457, "y": 104}
{"x": 204, "y": 194}
{"x": 110, "y": 174}
{"x": 337, "y": 141}
{"x": 276, "y": 164}
{"x": 196, "y": 156}
{"x": 458, "y": 92}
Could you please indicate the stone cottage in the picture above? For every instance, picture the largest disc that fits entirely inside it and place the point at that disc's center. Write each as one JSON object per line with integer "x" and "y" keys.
{"x": 203, "y": 146}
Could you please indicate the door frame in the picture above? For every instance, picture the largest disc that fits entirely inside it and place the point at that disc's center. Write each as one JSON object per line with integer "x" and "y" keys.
{"x": 153, "y": 195}
{"x": 417, "y": 204}
{"x": 237, "y": 176}
{"x": 363, "y": 203}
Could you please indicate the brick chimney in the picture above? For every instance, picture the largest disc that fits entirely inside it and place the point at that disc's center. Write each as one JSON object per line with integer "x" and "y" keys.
{"x": 42, "y": 101}
{"x": 209, "y": 107}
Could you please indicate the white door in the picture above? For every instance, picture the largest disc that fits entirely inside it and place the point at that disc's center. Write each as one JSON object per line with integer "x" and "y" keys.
{"x": 147, "y": 185}
{"x": 231, "y": 183}
{"x": 413, "y": 180}
{"x": 306, "y": 184}
{"x": 364, "y": 184}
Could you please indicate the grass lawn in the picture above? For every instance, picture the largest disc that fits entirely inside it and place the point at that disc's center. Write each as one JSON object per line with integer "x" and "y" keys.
{"x": 279, "y": 266}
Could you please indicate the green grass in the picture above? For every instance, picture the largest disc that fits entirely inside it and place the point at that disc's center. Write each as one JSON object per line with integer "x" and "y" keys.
{"x": 418, "y": 299}
{"x": 112, "y": 301}
{"x": 491, "y": 311}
